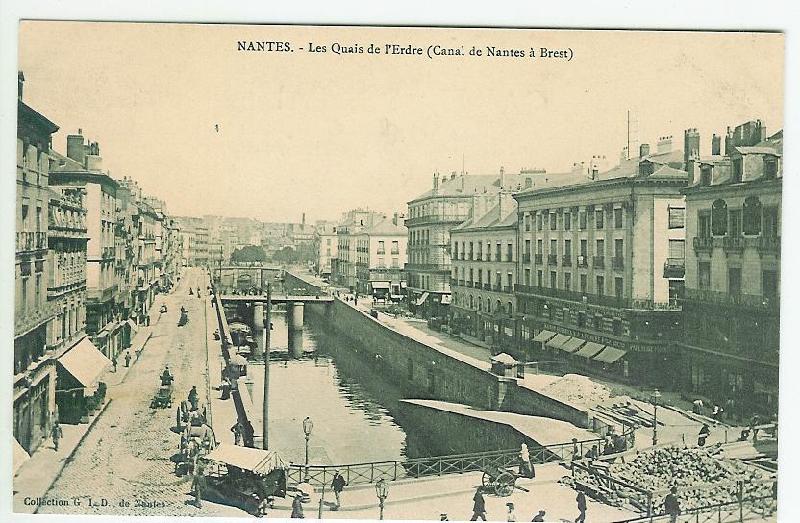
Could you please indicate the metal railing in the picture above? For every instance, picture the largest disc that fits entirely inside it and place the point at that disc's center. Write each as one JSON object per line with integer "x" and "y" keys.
{"x": 599, "y": 262}
{"x": 703, "y": 243}
{"x": 538, "y": 258}
{"x": 617, "y": 262}
{"x": 552, "y": 259}
{"x": 738, "y": 300}
{"x": 370, "y": 472}
{"x": 674, "y": 268}
{"x": 566, "y": 260}
{"x": 31, "y": 241}
{"x": 594, "y": 299}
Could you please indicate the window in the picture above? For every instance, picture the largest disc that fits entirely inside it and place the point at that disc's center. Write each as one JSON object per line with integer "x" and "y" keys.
{"x": 553, "y": 221}
{"x": 582, "y": 220}
{"x": 677, "y": 249}
{"x": 539, "y": 278}
{"x": 769, "y": 284}
{"x": 601, "y": 247}
{"x": 395, "y": 247}
{"x": 527, "y": 247}
{"x": 527, "y": 277}
{"x": 618, "y": 218}
{"x": 581, "y": 319}
{"x": 328, "y": 241}
{"x": 771, "y": 222}
{"x": 538, "y": 246}
{"x": 598, "y": 218}
{"x": 737, "y": 171}
{"x": 735, "y": 223}
{"x": 704, "y": 224}
{"x": 527, "y": 223}
{"x": 24, "y": 217}
{"x": 618, "y": 288}
{"x": 498, "y": 252}
{"x": 395, "y": 261}
{"x": 677, "y": 217}
{"x": 553, "y": 247}
{"x": 568, "y": 281}
{"x": 381, "y": 247}
{"x": 568, "y": 248}
{"x": 584, "y": 247}
{"x": 705, "y": 176}
{"x": 553, "y": 279}
{"x": 510, "y": 282}
{"x": 704, "y": 275}
{"x": 770, "y": 167}
{"x": 735, "y": 281}
{"x": 539, "y": 219}
{"x": 616, "y": 327}
{"x": 583, "y": 283}
{"x": 510, "y": 252}
{"x": 752, "y": 215}
{"x": 719, "y": 218}
{"x": 567, "y": 221}
{"x": 601, "y": 283}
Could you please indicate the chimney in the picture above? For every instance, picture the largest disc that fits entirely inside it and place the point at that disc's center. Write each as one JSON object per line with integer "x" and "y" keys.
{"x": 715, "y": 143}
{"x": 435, "y": 183}
{"x": 93, "y": 160}
{"x": 303, "y": 223}
{"x": 597, "y": 165}
{"x": 502, "y": 177}
{"x": 452, "y": 175}
{"x": 505, "y": 203}
{"x": 478, "y": 206}
{"x": 729, "y": 141}
{"x": 644, "y": 150}
{"x": 691, "y": 146}
{"x": 664, "y": 145}
{"x": 75, "y": 149}
{"x": 20, "y": 82}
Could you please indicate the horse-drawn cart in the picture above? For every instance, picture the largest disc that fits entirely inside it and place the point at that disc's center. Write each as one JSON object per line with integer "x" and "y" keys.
{"x": 162, "y": 398}
{"x": 501, "y": 481}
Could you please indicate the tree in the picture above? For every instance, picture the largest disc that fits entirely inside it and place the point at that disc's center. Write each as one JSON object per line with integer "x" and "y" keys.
{"x": 249, "y": 254}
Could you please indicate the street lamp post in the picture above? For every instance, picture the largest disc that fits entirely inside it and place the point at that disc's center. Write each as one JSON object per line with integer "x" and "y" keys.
{"x": 654, "y": 400}
{"x": 308, "y": 426}
{"x": 382, "y": 491}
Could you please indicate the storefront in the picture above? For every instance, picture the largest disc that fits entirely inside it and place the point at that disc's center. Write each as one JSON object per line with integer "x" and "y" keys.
{"x": 79, "y": 390}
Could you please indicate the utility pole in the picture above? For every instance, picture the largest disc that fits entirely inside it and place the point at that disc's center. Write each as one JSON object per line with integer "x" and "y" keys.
{"x": 267, "y": 329}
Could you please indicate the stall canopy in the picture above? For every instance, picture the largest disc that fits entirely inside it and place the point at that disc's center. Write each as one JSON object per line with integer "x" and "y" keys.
{"x": 422, "y": 298}
{"x": 572, "y": 344}
{"x": 558, "y": 341}
{"x": 590, "y": 349}
{"x": 543, "y": 336}
{"x": 85, "y": 362}
{"x": 246, "y": 458}
{"x": 20, "y": 456}
{"x": 132, "y": 325}
{"x": 504, "y": 358}
{"x": 610, "y": 355}
{"x": 380, "y": 284}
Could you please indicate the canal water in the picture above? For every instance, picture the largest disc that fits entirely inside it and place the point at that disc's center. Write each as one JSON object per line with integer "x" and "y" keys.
{"x": 354, "y": 408}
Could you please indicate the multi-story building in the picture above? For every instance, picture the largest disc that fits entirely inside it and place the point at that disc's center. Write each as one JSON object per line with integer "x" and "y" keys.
{"x": 325, "y": 243}
{"x": 601, "y": 271}
{"x": 484, "y": 256}
{"x": 82, "y": 168}
{"x": 430, "y": 218}
{"x": 380, "y": 258}
{"x": 352, "y": 223}
{"x": 194, "y": 234}
{"x": 34, "y": 369}
{"x": 731, "y": 311}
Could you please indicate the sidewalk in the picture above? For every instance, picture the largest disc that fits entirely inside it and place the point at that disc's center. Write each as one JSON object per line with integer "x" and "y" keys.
{"x": 35, "y": 477}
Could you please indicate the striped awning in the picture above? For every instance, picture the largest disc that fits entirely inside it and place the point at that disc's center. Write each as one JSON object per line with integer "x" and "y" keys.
{"x": 610, "y": 355}
{"x": 558, "y": 341}
{"x": 590, "y": 349}
{"x": 572, "y": 344}
{"x": 543, "y": 336}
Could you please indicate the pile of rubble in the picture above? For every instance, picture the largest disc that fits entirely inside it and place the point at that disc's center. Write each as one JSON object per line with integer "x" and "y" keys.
{"x": 578, "y": 390}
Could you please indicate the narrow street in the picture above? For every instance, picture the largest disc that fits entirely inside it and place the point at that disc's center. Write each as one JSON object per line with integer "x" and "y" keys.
{"x": 126, "y": 456}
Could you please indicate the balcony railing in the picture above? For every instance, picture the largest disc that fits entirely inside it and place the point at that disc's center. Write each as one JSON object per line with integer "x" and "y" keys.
{"x": 31, "y": 241}
{"x": 733, "y": 244}
{"x": 487, "y": 286}
{"x": 552, "y": 259}
{"x": 526, "y": 257}
{"x": 735, "y": 300}
{"x": 675, "y": 268}
{"x": 566, "y": 260}
{"x": 618, "y": 262}
{"x": 594, "y": 299}
{"x": 538, "y": 259}
{"x": 583, "y": 261}
{"x": 703, "y": 243}
{"x": 599, "y": 262}
{"x": 769, "y": 245}
{"x": 32, "y": 318}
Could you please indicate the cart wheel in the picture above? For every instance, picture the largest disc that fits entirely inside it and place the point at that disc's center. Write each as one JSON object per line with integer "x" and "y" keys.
{"x": 505, "y": 484}
{"x": 486, "y": 479}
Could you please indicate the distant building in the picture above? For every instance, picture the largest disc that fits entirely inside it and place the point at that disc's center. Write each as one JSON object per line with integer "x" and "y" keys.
{"x": 352, "y": 223}
{"x": 731, "y": 312}
{"x": 325, "y": 244}
{"x": 194, "y": 234}
{"x": 380, "y": 258}
{"x": 484, "y": 258}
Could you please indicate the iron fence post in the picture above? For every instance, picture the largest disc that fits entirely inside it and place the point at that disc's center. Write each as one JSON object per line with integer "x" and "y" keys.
{"x": 740, "y": 496}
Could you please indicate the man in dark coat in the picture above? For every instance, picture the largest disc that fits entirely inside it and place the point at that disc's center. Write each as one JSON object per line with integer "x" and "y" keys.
{"x": 193, "y": 397}
{"x": 672, "y": 506}
{"x": 297, "y": 507}
{"x": 338, "y": 485}
{"x": 581, "y": 500}
{"x": 478, "y": 506}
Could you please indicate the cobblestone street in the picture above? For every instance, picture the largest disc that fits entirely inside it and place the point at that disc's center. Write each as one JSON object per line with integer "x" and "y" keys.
{"x": 126, "y": 456}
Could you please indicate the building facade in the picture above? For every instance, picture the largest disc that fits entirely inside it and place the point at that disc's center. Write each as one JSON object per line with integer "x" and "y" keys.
{"x": 352, "y": 223}
{"x": 601, "y": 268}
{"x": 34, "y": 367}
{"x": 380, "y": 258}
{"x": 732, "y": 305}
{"x": 484, "y": 258}
{"x": 194, "y": 234}
{"x": 325, "y": 244}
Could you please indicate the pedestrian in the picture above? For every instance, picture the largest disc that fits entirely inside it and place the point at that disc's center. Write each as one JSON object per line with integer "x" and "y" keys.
{"x": 199, "y": 483}
{"x": 263, "y": 506}
{"x": 576, "y": 455}
{"x": 672, "y": 506}
{"x": 114, "y": 362}
{"x": 57, "y": 434}
{"x": 127, "y": 358}
{"x": 225, "y": 388}
{"x": 338, "y": 485}
{"x": 297, "y": 507}
{"x": 703, "y": 435}
{"x": 592, "y": 453}
{"x": 478, "y": 506}
{"x": 754, "y": 422}
{"x": 525, "y": 465}
{"x": 237, "y": 433}
{"x": 539, "y": 516}
{"x": 581, "y": 500}
{"x": 697, "y": 406}
{"x": 510, "y": 516}
{"x": 193, "y": 397}
{"x": 716, "y": 413}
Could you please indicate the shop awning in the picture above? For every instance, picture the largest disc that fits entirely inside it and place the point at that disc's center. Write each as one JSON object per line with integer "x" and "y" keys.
{"x": 504, "y": 358}
{"x": 573, "y": 344}
{"x": 447, "y": 299}
{"x": 422, "y": 299}
{"x": 85, "y": 362}
{"x": 590, "y": 349}
{"x": 132, "y": 324}
{"x": 610, "y": 355}
{"x": 20, "y": 455}
{"x": 558, "y": 341}
{"x": 255, "y": 460}
{"x": 543, "y": 336}
{"x": 380, "y": 284}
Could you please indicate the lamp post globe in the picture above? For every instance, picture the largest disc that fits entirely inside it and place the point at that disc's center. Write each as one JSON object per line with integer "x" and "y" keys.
{"x": 382, "y": 492}
{"x": 308, "y": 426}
